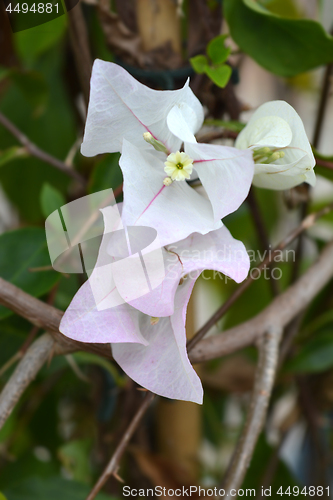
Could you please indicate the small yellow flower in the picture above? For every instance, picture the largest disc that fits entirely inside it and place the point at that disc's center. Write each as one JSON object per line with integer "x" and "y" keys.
{"x": 178, "y": 166}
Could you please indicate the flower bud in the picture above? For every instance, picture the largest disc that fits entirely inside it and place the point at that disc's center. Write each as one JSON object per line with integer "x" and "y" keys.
{"x": 158, "y": 145}
{"x": 167, "y": 181}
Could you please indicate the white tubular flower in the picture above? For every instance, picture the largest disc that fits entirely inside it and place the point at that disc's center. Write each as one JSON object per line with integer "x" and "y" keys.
{"x": 178, "y": 166}
{"x": 281, "y": 150}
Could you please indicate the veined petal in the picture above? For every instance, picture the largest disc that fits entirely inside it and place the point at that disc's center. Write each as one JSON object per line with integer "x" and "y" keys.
{"x": 217, "y": 250}
{"x": 183, "y": 122}
{"x": 83, "y": 322}
{"x": 226, "y": 174}
{"x": 279, "y": 176}
{"x": 97, "y": 312}
{"x": 174, "y": 211}
{"x": 121, "y": 107}
{"x": 271, "y": 131}
{"x": 163, "y": 366}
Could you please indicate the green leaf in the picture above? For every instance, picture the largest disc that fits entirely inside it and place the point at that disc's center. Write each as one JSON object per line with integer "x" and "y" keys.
{"x": 217, "y": 51}
{"x": 12, "y": 154}
{"x": 22, "y": 250}
{"x": 106, "y": 174}
{"x": 33, "y": 42}
{"x": 199, "y": 63}
{"x": 51, "y": 199}
{"x": 219, "y": 75}
{"x": 51, "y": 488}
{"x": 324, "y": 172}
{"x": 2, "y": 496}
{"x": 54, "y": 131}
{"x": 285, "y": 8}
{"x": 283, "y": 46}
{"x": 33, "y": 87}
{"x": 316, "y": 355}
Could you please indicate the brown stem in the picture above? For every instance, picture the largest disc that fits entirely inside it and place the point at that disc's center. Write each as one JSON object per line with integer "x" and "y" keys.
{"x": 261, "y": 231}
{"x": 264, "y": 380}
{"x": 39, "y": 153}
{"x": 322, "y": 105}
{"x": 25, "y": 372}
{"x": 81, "y": 50}
{"x": 305, "y": 224}
{"x": 46, "y": 317}
{"x": 113, "y": 465}
{"x": 279, "y": 313}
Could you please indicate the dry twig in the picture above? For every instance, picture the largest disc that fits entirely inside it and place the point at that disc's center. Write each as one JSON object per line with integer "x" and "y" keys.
{"x": 39, "y": 153}
{"x": 25, "y": 372}
{"x": 259, "y": 223}
{"x": 265, "y": 375}
{"x": 279, "y": 312}
{"x": 81, "y": 50}
{"x": 112, "y": 467}
{"x": 305, "y": 224}
{"x": 46, "y": 317}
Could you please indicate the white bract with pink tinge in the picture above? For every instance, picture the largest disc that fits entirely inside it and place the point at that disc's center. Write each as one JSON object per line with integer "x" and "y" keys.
{"x": 146, "y": 326}
{"x": 281, "y": 150}
{"x": 148, "y": 127}
{"x": 147, "y": 334}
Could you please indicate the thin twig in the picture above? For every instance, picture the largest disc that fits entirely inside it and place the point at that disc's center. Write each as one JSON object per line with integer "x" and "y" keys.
{"x": 46, "y": 317}
{"x": 25, "y": 372}
{"x": 39, "y": 153}
{"x": 264, "y": 380}
{"x": 322, "y": 105}
{"x": 279, "y": 312}
{"x": 81, "y": 50}
{"x": 262, "y": 233}
{"x": 299, "y": 245}
{"x": 311, "y": 414}
{"x": 11, "y": 361}
{"x": 112, "y": 467}
{"x": 305, "y": 224}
